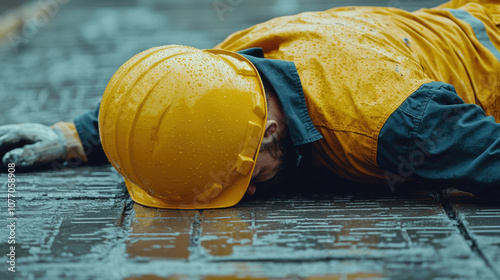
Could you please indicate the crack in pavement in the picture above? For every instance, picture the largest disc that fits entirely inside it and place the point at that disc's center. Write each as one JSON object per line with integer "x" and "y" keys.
{"x": 454, "y": 217}
{"x": 194, "y": 238}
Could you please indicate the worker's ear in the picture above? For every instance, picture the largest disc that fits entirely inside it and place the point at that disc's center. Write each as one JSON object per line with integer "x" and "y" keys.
{"x": 271, "y": 130}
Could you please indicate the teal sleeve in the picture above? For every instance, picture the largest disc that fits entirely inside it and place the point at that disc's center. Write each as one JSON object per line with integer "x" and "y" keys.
{"x": 435, "y": 137}
{"x": 87, "y": 125}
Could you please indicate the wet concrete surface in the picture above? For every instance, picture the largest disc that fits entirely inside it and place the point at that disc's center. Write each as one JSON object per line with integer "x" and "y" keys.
{"x": 76, "y": 221}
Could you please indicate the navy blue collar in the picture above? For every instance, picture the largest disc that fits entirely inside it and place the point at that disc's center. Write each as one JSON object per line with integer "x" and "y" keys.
{"x": 283, "y": 77}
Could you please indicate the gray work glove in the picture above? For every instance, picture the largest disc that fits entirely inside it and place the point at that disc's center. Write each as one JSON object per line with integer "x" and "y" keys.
{"x": 42, "y": 144}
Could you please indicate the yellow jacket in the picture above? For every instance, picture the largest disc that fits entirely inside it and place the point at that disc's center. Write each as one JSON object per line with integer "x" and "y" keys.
{"x": 357, "y": 65}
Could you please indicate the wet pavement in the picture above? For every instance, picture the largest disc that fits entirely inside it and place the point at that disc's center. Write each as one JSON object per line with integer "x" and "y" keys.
{"x": 77, "y": 222}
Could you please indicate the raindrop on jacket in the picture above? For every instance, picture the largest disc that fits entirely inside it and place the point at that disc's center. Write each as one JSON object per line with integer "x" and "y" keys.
{"x": 358, "y": 66}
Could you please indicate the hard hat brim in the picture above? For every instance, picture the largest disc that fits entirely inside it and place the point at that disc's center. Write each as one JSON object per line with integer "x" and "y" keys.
{"x": 228, "y": 197}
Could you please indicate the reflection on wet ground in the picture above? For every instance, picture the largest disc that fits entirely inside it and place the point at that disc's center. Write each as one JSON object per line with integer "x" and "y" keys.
{"x": 413, "y": 233}
{"x": 323, "y": 228}
{"x": 158, "y": 233}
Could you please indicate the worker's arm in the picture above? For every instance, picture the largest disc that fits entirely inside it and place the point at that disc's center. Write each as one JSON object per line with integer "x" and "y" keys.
{"x": 87, "y": 125}
{"x": 32, "y": 144}
{"x": 435, "y": 137}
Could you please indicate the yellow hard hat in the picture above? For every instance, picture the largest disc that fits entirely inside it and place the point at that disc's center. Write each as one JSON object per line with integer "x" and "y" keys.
{"x": 184, "y": 126}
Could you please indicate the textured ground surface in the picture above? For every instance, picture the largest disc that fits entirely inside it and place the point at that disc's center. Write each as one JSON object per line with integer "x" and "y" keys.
{"x": 77, "y": 222}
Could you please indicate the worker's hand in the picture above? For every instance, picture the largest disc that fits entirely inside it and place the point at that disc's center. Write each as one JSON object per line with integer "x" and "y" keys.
{"x": 31, "y": 144}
